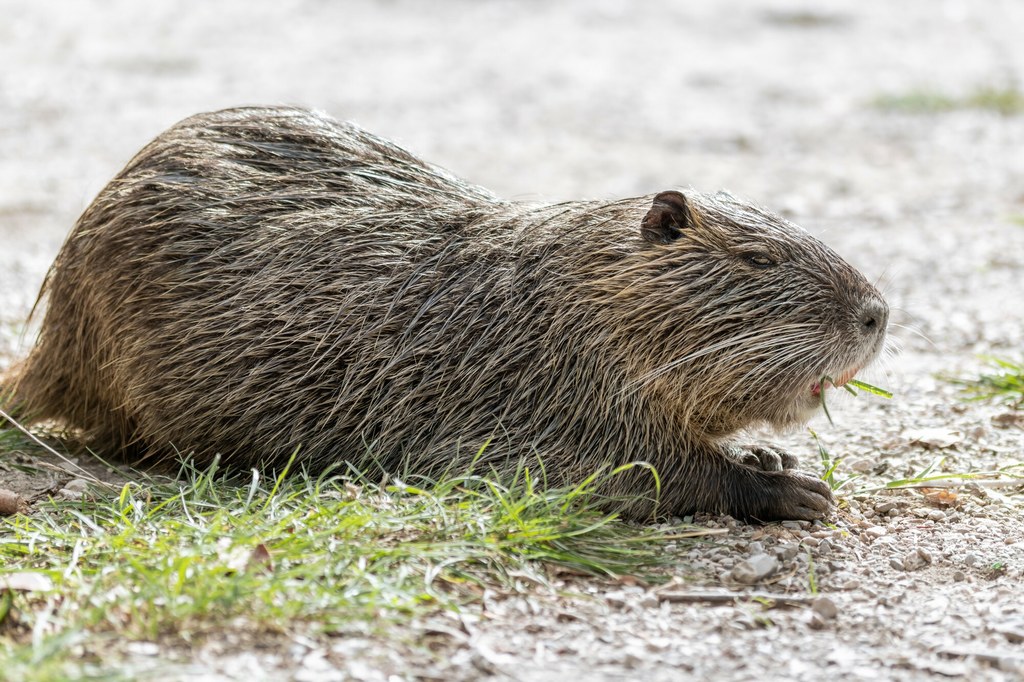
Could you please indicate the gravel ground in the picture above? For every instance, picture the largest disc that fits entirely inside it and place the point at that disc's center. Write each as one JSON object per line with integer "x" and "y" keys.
{"x": 772, "y": 100}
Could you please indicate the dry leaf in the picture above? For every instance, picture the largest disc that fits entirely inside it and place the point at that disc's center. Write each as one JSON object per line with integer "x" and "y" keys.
{"x": 941, "y": 497}
{"x": 260, "y": 560}
{"x": 11, "y": 502}
{"x": 934, "y": 438}
{"x": 1008, "y": 420}
{"x": 26, "y": 581}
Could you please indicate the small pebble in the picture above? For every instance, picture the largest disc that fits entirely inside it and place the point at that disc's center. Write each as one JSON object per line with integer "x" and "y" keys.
{"x": 143, "y": 648}
{"x": 816, "y": 621}
{"x": 616, "y": 599}
{"x": 917, "y": 559}
{"x": 825, "y": 607}
{"x": 862, "y": 465}
{"x": 649, "y": 600}
{"x": 788, "y": 551}
{"x": 78, "y": 485}
{"x": 754, "y": 569}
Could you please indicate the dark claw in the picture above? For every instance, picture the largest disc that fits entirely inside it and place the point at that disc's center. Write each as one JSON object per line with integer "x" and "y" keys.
{"x": 789, "y": 461}
{"x": 749, "y": 459}
{"x": 764, "y": 458}
{"x": 770, "y": 458}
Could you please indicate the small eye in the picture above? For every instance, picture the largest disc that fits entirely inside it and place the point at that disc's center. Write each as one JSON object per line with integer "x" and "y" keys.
{"x": 759, "y": 260}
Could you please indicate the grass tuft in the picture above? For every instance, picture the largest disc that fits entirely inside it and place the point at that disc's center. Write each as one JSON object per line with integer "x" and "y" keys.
{"x": 173, "y": 562}
{"x": 830, "y": 465}
{"x": 1005, "y": 383}
{"x": 927, "y": 477}
{"x": 1008, "y": 101}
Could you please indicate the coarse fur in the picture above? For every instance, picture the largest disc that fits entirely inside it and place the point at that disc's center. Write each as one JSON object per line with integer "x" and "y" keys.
{"x": 262, "y": 281}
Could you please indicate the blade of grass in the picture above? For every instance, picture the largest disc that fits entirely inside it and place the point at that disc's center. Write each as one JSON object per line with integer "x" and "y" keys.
{"x": 868, "y": 388}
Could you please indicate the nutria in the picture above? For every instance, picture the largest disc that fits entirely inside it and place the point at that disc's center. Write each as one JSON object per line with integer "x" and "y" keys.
{"x": 263, "y": 281}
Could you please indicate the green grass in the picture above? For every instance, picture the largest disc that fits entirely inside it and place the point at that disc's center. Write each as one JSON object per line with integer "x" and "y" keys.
{"x": 830, "y": 466}
{"x": 1004, "y": 382}
{"x": 851, "y": 387}
{"x": 812, "y": 576}
{"x": 1008, "y": 101}
{"x": 178, "y": 562}
{"x": 931, "y": 473}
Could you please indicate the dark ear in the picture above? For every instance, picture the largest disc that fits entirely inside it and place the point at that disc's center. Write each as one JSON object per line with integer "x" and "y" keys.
{"x": 667, "y": 219}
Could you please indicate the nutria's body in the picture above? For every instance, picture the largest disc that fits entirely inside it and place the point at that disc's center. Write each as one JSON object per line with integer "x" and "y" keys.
{"x": 261, "y": 281}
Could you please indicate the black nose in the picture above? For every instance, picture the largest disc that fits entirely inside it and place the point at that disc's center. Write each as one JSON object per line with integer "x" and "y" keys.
{"x": 874, "y": 315}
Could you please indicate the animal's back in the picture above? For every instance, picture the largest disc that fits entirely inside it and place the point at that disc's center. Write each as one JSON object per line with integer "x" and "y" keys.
{"x": 248, "y": 284}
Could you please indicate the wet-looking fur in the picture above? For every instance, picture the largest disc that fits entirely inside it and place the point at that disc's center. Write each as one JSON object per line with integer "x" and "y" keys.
{"x": 264, "y": 280}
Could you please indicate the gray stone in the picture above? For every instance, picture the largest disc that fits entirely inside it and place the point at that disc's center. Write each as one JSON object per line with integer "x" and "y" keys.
{"x": 754, "y": 569}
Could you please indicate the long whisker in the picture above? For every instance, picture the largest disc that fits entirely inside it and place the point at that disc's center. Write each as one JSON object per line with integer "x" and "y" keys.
{"x": 915, "y": 331}
{"x": 740, "y": 341}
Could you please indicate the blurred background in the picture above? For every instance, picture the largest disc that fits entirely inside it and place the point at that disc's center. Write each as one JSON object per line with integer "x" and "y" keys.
{"x": 893, "y": 131}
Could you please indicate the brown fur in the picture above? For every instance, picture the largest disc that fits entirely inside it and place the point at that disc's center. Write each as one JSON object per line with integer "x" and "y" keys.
{"x": 265, "y": 280}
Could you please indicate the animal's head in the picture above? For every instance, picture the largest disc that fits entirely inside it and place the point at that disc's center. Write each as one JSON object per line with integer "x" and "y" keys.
{"x": 741, "y": 314}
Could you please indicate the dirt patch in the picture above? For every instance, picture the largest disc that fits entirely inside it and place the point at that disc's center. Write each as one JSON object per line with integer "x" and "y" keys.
{"x": 36, "y": 467}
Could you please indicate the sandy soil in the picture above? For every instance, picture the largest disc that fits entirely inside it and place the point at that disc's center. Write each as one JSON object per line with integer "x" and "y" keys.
{"x": 771, "y": 100}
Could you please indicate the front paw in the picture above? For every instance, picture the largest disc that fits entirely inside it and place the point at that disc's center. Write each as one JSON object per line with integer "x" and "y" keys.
{"x": 763, "y": 457}
{"x": 779, "y": 496}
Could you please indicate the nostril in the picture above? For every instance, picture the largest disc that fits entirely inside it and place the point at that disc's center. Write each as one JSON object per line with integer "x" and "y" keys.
{"x": 874, "y": 315}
